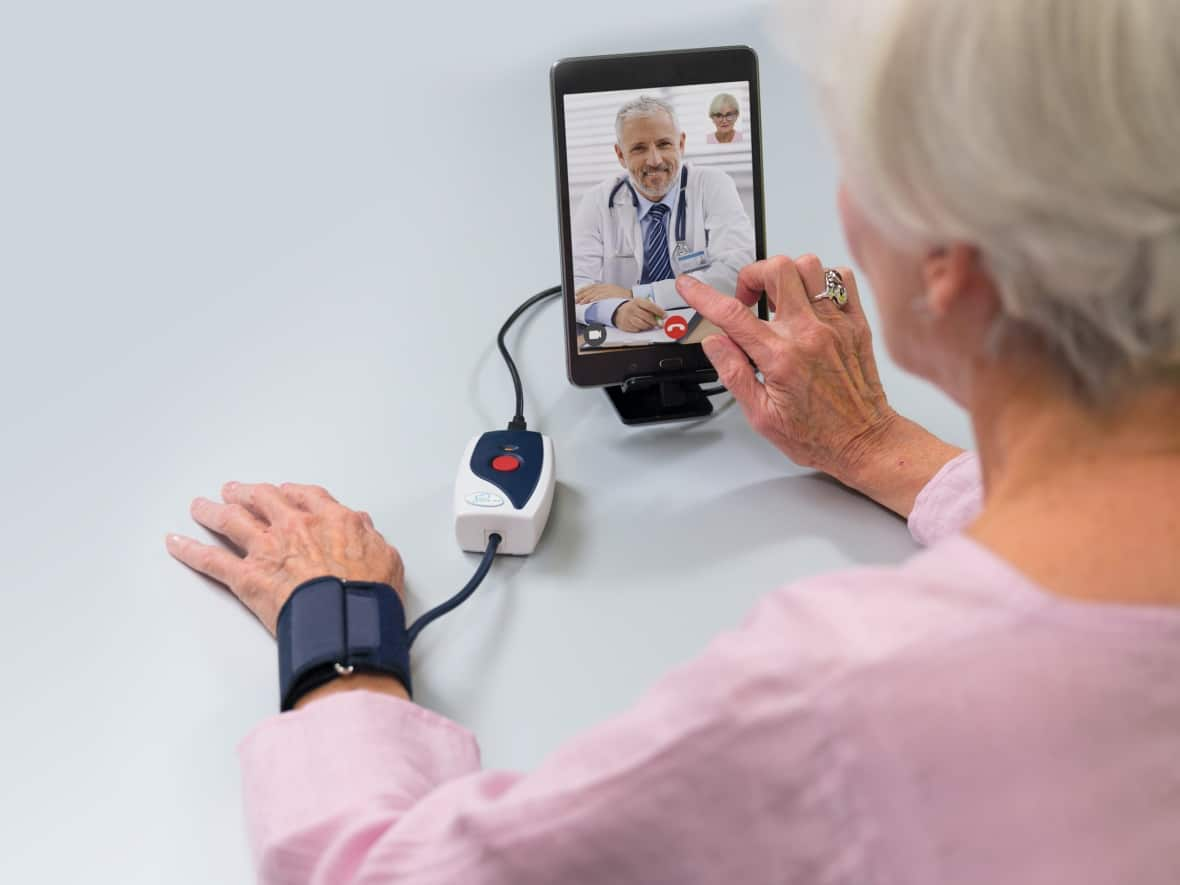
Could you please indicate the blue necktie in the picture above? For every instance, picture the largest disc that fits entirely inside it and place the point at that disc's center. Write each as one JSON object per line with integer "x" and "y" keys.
{"x": 656, "y": 265}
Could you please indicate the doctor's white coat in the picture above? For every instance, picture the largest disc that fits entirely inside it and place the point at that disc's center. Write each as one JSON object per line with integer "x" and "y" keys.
{"x": 608, "y": 242}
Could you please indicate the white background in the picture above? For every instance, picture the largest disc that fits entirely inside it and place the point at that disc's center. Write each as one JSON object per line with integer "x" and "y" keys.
{"x": 273, "y": 241}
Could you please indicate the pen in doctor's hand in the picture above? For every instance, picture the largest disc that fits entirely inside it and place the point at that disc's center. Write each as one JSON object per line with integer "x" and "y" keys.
{"x": 820, "y": 400}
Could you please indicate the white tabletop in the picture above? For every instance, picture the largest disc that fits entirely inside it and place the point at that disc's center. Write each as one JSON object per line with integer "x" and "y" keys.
{"x": 273, "y": 241}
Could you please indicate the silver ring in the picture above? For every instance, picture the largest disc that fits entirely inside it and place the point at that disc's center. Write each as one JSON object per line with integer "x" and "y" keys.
{"x": 835, "y": 292}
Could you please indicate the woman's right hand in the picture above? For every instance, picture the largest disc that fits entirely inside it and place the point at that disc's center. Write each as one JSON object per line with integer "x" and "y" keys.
{"x": 821, "y": 401}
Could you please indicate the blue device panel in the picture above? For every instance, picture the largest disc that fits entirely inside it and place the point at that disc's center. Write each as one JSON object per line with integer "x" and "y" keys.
{"x": 525, "y": 447}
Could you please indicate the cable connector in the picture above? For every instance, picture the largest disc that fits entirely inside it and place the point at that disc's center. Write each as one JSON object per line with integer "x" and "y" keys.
{"x": 518, "y": 424}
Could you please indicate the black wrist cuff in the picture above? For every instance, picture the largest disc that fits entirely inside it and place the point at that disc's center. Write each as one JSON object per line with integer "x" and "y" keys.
{"x": 330, "y": 628}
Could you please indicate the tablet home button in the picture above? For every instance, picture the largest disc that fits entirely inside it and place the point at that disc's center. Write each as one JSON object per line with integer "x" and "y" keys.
{"x": 672, "y": 364}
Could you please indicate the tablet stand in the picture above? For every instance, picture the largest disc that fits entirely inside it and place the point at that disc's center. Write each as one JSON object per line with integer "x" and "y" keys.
{"x": 650, "y": 399}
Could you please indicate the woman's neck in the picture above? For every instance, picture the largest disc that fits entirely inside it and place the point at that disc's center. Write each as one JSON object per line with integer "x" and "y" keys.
{"x": 725, "y": 137}
{"x": 1085, "y": 501}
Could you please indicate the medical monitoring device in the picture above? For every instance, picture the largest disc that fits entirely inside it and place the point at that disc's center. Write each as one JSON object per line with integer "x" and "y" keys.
{"x": 504, "y": 487}
{"x": 659, "y": 171}
{"x": 659, "y": 174}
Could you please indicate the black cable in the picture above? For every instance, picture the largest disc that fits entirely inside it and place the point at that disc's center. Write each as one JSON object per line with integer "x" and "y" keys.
{"x": 459, "y": 598}
{"x": 518, "y": 422}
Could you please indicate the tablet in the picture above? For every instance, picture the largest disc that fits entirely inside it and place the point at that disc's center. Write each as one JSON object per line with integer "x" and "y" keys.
{"x": 659, "y": 173}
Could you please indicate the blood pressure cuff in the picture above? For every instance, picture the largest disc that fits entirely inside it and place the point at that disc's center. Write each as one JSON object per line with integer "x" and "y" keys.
{"x": 329, "y": 628}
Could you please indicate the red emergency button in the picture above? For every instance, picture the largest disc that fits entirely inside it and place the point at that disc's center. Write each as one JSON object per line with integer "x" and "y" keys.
{"x": 505, "y": 463}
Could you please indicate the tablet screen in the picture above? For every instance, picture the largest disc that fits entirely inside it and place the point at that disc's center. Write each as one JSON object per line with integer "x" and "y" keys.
{"x": 661, "y": 183}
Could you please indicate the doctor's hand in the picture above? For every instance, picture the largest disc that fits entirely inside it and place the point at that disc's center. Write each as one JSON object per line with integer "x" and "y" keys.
{"x": 820, "y": 400}
{"x": 600, "y": 292}
{"x": 287, "y": 534}
{"x": 638, "y": 315}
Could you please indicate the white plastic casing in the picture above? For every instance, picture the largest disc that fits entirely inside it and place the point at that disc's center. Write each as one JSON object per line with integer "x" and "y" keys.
{"x": 478, "y": 515}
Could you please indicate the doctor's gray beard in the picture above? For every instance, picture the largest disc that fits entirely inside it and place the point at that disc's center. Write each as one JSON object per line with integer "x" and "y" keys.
{"x": 673, "y": 178}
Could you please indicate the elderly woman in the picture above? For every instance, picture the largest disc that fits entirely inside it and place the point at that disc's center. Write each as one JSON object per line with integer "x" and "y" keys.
{"x": 1002, "y": 708}
{"x": 724, "y": 112}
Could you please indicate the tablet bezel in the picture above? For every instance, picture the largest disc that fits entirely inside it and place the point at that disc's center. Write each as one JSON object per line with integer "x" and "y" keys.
{"x": 605, "y": 73}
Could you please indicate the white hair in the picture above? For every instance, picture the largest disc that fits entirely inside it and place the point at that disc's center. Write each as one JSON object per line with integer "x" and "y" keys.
{"x": 644, "y": 106}
{"x": 721, "y": 100}
{"x": 1044, "y": 132}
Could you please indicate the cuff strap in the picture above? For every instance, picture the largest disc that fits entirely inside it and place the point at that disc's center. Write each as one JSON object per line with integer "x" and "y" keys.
{"x": 329, "y": 628}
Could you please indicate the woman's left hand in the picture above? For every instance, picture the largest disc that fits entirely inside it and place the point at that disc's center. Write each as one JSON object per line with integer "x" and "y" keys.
{"x": 288, "y": 534}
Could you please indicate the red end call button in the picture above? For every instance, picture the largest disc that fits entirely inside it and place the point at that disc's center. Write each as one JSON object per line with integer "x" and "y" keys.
{"x": 676, "y": 327}
{"x": 505, "y": 463}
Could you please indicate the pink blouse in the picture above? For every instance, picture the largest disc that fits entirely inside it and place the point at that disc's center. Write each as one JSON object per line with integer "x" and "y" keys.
{"x": 942, "y": 721}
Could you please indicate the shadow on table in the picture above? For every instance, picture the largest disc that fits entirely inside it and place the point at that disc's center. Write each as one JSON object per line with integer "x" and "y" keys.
{"x": 777, "y": 512}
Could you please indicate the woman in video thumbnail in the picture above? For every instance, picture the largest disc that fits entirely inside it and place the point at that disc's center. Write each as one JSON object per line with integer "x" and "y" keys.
{"x": 724, "y": 112}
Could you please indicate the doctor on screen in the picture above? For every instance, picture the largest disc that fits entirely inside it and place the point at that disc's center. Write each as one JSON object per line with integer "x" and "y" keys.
{"x": 633, "y": 234}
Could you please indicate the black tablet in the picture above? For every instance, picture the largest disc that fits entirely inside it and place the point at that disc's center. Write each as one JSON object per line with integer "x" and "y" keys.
{"x": 659, "y": 173}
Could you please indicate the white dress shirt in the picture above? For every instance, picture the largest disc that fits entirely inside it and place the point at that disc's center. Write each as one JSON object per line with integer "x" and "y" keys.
{"x": 608, "y": 241}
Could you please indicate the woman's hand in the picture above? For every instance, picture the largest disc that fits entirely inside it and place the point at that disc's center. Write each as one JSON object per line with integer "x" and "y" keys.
{"x": 288, "y": 534}
{"x": 820, "y": 401}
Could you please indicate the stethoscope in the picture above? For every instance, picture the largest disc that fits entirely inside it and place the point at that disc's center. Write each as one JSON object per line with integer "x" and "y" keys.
{"x": 681, "y": 209}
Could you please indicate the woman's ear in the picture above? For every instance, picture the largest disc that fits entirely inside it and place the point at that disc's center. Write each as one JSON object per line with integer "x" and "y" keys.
{"x": 952, "y": 275}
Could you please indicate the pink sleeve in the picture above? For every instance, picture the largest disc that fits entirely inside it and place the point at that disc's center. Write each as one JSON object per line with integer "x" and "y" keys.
{"x": 320, "y": 784}
{"x": 949, "y": 502}
{"x": 720, "y": 770}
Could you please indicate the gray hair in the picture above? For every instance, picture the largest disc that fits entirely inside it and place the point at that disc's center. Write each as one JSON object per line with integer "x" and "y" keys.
{"x": 1046, "y": 134}
{"x": 720, "y": 100}
{"x": 644, "y": 106}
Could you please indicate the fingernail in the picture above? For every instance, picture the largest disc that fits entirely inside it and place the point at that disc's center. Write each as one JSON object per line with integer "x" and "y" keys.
{"x": 686, "y": 280}
{"x": 232, "y": 484}
{"x": 711, "y": 346}
{"x": 172, "y": 540}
